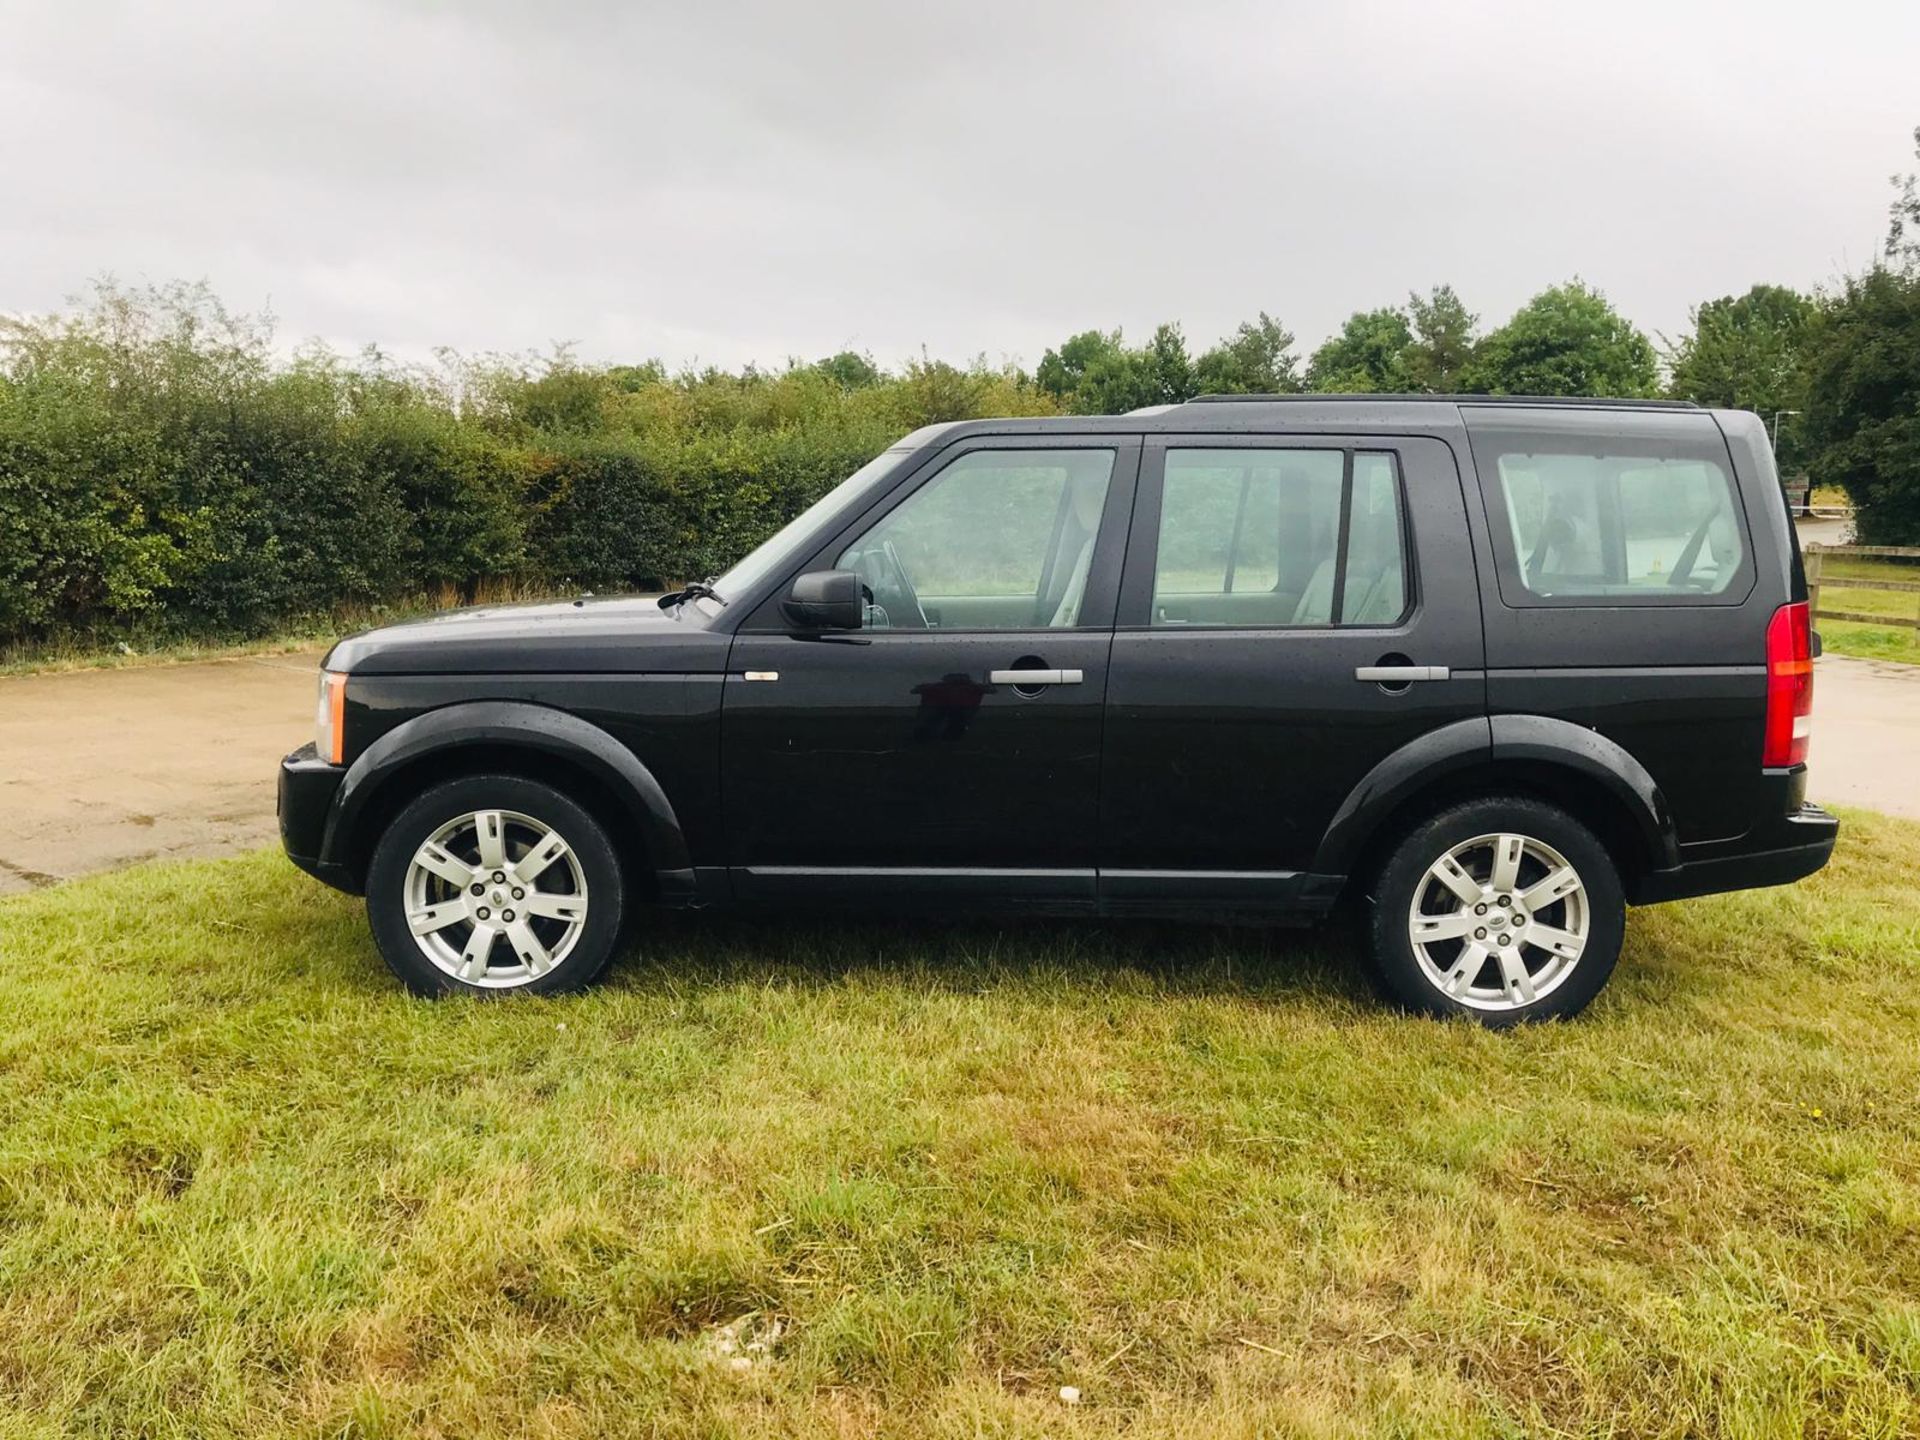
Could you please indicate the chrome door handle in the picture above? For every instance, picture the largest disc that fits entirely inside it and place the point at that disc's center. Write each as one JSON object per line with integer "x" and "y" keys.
{"x": 1400, "y": 674}
{"x": 1028, "y": 679}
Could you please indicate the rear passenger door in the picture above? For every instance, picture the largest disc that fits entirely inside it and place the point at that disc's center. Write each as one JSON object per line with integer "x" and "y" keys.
{"x": 1293, "y": 610}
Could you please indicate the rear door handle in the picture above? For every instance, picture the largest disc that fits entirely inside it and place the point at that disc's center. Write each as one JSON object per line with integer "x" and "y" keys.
{"x": 1400, "y": 674}
{"x": 1028, "y": 679}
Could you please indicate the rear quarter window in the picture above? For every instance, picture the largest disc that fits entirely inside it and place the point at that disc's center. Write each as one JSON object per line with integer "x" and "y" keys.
{"x": 1603, "y": 525}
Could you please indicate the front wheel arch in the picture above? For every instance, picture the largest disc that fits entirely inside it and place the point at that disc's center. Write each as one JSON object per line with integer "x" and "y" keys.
{"x": 533, "y": 741}
{"x": 408, "y": 782}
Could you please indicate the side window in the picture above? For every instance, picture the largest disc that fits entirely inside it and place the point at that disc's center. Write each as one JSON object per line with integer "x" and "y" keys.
{"x": 1621, "y": 526}
{"x": 1253, "y": 537}
{"x": 1375, "y": 592}
{"x": 998, "y": 540}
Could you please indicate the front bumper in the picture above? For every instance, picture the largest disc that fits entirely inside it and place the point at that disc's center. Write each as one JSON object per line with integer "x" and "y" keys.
{"x": 1792, "y": 848}
{"x": 307, "y": 788}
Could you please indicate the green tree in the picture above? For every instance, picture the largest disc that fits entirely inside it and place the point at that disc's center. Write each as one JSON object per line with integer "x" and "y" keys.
{"x": 1368, "y": 356}
{"x": 1565, "y": 341}
{"x": 1118, "y": 379}
{"x": 1061, "y": 371}
{"x": 1862, "y": 422}
{"x": 1443, "y": 341}
{"x": 1746, "y": 352}
{"x": 1862, "y": 379}
{"x": 1257, "y": 359}
{"x": 850, "y": 370}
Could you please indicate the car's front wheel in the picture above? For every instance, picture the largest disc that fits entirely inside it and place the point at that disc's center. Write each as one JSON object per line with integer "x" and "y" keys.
{"x": 494, "y": 883}
{"x": 1504, "y": 909}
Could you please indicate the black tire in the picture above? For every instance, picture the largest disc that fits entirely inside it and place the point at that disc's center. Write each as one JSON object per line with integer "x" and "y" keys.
{"x": 584, "y": 948}
{"x": 1488, "y": 992}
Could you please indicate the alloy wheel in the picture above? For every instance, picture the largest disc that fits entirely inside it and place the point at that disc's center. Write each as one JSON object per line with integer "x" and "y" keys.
{"x": 1499, "y": 921}
{"x": 495, "y": 898}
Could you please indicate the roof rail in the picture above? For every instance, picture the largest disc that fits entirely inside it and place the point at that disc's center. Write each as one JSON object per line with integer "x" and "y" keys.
{"x": 1574, "y": 401}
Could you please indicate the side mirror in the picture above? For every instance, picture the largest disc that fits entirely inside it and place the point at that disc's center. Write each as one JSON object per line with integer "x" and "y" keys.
{"x": 826, "y": 600}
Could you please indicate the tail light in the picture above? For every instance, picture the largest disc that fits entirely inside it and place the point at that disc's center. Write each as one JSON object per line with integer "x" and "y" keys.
{"x": 1789, "y": 686}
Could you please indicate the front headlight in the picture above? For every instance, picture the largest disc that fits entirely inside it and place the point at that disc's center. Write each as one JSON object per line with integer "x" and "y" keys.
{"x": 330, "y": 716}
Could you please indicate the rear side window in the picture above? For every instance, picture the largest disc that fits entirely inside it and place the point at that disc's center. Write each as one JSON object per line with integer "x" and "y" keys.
{"x": 1279, "y": 538}
{"x": 1622, "y": 527}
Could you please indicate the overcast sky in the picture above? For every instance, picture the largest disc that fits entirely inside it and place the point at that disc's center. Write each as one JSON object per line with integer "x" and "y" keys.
{"x": 730, "y": 182}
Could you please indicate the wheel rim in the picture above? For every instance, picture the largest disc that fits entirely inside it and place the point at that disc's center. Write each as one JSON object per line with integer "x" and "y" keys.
{"x": 1499, "y": 922}
{"x": 495, "y": 898}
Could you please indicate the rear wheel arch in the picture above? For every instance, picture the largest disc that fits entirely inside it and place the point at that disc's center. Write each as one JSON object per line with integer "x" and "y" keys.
{"x": 1580, "y": 795}
{"x": 1535, "y": 757}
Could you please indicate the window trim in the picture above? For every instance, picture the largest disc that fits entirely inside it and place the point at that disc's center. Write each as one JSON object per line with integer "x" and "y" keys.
{"x": 1143, "y": 549}
{"x": 1491, "y": 443}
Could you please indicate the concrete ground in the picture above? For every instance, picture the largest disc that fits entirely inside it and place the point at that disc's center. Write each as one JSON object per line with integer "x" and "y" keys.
{"x": 1866, "y": 735}
{"x": 102, "y": 768}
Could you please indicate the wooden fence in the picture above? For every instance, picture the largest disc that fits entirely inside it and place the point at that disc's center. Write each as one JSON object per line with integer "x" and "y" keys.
{"x": 1818, "y": 580}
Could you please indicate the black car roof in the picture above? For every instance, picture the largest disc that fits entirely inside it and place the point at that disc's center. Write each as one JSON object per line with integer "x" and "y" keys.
{"x": 1218, "y": 414}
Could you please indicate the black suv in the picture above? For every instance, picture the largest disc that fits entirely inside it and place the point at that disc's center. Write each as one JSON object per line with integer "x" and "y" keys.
{"x": 1499, "y": 666}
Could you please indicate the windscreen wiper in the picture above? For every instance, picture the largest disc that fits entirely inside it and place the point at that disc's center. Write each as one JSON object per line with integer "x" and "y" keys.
{"x": 698, "y": 590}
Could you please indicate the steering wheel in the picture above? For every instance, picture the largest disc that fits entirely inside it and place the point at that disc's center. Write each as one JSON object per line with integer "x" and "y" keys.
{"x": 903, "y": 587}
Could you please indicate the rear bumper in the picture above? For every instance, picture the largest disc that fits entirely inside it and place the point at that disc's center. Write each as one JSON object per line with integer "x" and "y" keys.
{"x": 1791, "y": 849}
{"x": 307, "y": 788}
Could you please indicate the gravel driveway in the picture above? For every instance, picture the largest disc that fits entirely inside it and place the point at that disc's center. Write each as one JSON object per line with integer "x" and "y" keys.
{"x": 101, "y": 768}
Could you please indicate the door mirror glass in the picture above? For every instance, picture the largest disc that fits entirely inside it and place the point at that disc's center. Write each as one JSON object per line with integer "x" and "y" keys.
{"x": 826, "y": 600}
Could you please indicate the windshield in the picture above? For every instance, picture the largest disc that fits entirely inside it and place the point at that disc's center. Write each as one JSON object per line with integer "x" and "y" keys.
{"x": 786, "y": 542}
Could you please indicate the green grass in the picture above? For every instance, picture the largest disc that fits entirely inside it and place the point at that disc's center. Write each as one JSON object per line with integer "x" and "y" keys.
{"x": 247, "y": 1187}
{"x": 1870, "y": 642}
{"x": 1858, "y": 638}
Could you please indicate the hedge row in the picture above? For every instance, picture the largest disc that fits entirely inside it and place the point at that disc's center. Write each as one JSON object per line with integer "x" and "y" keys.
{"x": 164, "y": 471}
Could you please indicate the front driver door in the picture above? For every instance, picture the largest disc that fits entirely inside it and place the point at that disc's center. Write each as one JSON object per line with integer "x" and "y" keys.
{"x": 909, "y": 755}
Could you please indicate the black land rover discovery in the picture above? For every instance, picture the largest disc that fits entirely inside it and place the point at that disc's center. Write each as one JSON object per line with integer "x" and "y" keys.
{"x": 1502, "y": 667}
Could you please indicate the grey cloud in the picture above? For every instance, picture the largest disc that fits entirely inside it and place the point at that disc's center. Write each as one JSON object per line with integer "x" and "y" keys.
{"x": 744, "y": 181}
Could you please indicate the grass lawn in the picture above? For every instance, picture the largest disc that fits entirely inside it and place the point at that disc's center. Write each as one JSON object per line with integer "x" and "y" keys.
{"x": 249, "y": 1188}
{"x": 1868, "y": 641}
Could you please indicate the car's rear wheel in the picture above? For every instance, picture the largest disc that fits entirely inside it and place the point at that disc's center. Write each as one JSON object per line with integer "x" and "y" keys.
{"x": 495, "y": 883}
{"x": 1504, "y": 909}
